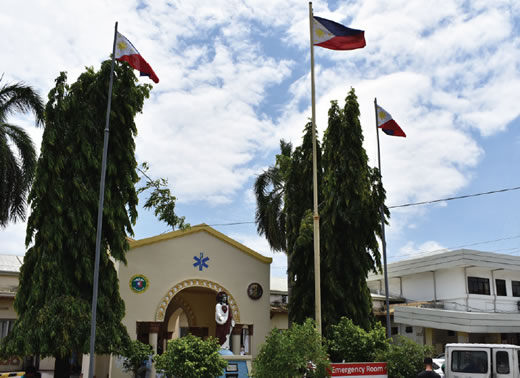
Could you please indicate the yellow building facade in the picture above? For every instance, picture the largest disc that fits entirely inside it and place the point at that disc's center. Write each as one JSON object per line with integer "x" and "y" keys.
{"x": 171, "y": 281}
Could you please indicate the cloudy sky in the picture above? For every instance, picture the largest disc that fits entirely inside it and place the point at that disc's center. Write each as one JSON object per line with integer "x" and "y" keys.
{"x": 235, "y": 79}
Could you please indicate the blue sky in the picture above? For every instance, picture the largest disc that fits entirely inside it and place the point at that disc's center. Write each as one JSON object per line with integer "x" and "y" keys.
{"x": 235, "y": 80}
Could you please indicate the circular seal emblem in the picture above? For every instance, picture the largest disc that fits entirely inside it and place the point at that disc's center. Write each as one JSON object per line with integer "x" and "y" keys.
{"x": 254, "y": 290}
{"x": 139, "y": 283}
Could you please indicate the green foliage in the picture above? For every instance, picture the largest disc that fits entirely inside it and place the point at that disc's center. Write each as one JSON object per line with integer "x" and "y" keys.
{"x": 350, "y": 194}
{"x": 270, "y": 192}
{"x": 57, "y": 274}
{"x": 351, "y": 343}
{"x": 191, "y": 356}
{"x": 17, "y": 153}
{"x": 404, "y": 358}
{"x": 161, "y": 200}
{"x": 289, "y": 353}
{"x": 135, "y": 354}
{"x": 351, "y": 222}
{"x": 300, "y": 228}
{"x": 284, "y": 210}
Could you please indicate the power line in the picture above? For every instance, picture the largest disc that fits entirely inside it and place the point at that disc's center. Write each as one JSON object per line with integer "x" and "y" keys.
{"x": 458, "y": 247}
{"x": 455, "y": 198}
{"x": 406, "y": 204}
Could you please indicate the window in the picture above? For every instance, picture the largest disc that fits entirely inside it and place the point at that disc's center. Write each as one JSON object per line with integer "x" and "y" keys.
{"x": 502, "y": 362}
{"x": 501, "y": 287}
{"x": 409, "y": 329}
{"x": 478, "y": 285}
{"x": 395, "y": 330}
{"x": 516, "y": 288}
{"x": 6, "y": 325}
{"x": 469, "y": 361}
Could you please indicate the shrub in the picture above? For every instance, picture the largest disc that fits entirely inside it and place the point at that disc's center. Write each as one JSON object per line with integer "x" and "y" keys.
{"x": 294, "y": 352}
{"x": 405, "y": 358}
{"x": 135, "y": 354}
{"x": 191, "y": 356}
{"x": 351, "y": 343}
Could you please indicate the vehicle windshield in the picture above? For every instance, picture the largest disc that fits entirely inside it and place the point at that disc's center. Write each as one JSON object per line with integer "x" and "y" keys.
{"x": 469, "y": 361}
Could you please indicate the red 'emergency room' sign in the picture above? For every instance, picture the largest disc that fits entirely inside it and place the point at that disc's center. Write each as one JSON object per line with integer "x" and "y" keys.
{"x": 359, "y": 369}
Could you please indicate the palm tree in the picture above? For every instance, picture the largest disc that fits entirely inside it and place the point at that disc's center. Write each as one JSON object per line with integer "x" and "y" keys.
{"x": 270, "y": 194}
{"x": 17, "y": 153}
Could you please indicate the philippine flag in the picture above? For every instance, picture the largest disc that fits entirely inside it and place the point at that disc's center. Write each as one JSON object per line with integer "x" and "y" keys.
{"x": 386, "y": 123}
{"x": 126, "y": 52}
{"x": 334, "y": 36}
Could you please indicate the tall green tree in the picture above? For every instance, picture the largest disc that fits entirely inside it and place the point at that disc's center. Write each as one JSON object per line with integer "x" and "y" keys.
{"x": 17, "y": 165}
{"x": 54, "y": 298}
{"x": 284, "y": 208}
{"x": 352, "y": 196}
{"x": 300, "y": 227}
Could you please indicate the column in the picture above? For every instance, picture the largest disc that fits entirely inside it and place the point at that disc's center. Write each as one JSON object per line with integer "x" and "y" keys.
{"x": 153, "y": 335}
{"x": 235, "y": 339}
{"x": 85, "y": 362}
{"x": 462, "y": 337}
{"x": 428, "y": 336}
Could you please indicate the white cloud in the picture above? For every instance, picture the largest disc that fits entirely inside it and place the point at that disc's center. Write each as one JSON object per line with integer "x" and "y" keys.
{"x": 444, "y": 73}
{"x": 412, "y": 250}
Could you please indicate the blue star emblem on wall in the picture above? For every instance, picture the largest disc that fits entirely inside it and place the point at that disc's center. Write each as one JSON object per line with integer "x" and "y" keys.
{"x": 201, "y": 261}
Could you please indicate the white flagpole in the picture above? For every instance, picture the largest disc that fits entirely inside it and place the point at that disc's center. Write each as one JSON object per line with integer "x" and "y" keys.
{"x": 383, "y": 238}
{"x": 100, "y": 215}
{"x": 317, "y": 290}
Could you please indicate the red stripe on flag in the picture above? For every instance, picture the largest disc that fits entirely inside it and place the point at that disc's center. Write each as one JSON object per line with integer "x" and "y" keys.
{"x": 345, "y": 42}
{"x": 392, "y": 128}
{"x": 137, "y": 62}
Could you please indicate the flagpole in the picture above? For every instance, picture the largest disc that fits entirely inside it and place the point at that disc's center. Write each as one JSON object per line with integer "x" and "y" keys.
{"x": 317, "y": 290}
{"x": 383, "y": 238}
{"x": 100, "y": 214}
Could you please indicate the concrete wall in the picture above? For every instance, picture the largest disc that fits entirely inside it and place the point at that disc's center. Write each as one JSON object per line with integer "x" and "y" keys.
{"x": 280, "y": 321}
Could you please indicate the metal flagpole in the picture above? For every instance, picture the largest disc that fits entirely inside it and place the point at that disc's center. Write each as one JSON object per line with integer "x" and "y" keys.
{"x": 383, "y": 238}
{"x": 100, "y": 214}
{"x": 317, "y": 290}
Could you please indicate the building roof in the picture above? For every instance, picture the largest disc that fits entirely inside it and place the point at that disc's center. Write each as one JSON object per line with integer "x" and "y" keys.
{"x": 462, "y": 321}
{"x": 200, "y": 228}
{"x": 10, "y": 263}
{"x": 279, "y": 284}
{"x": 448, "y": 260}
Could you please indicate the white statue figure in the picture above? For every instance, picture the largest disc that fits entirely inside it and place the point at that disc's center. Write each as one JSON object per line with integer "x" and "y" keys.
{"x": 224, "y": 319}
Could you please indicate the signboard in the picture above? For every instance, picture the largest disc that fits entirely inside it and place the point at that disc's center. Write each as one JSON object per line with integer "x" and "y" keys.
{"x": 359, "y": 369}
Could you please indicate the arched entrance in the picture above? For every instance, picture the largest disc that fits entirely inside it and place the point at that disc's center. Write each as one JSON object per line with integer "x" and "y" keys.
{"x": 195, "y": 283}
{"x": 189, "y": 307}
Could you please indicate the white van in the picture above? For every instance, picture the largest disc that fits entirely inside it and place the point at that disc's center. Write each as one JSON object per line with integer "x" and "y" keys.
{"x": 482, "y": 361}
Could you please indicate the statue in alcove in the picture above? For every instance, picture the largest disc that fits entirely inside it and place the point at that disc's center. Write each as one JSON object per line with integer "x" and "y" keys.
{"x": 224, "y": 319}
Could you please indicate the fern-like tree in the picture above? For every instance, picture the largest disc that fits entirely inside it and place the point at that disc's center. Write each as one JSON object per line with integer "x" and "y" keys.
{"x": 284, "y": 210}
{"x": 17, "y": 153}
{"x": 351, "y": 222}
{"x": 54, "y": 298}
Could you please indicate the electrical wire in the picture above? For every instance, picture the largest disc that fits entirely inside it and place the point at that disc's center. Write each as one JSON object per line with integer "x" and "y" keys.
{"x": 455, "y": 198}
{"x": 407, "y": 204}
{"x": 455, "y": 248}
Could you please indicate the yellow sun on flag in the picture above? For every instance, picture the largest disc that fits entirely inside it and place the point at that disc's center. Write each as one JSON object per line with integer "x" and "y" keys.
{"x": 320, "y": 33}
{"x": 122, "y": 45}
{"x": 382, "y": 115}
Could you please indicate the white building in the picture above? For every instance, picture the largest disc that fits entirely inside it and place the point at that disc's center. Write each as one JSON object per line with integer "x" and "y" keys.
{"x": 457, "y": 296}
